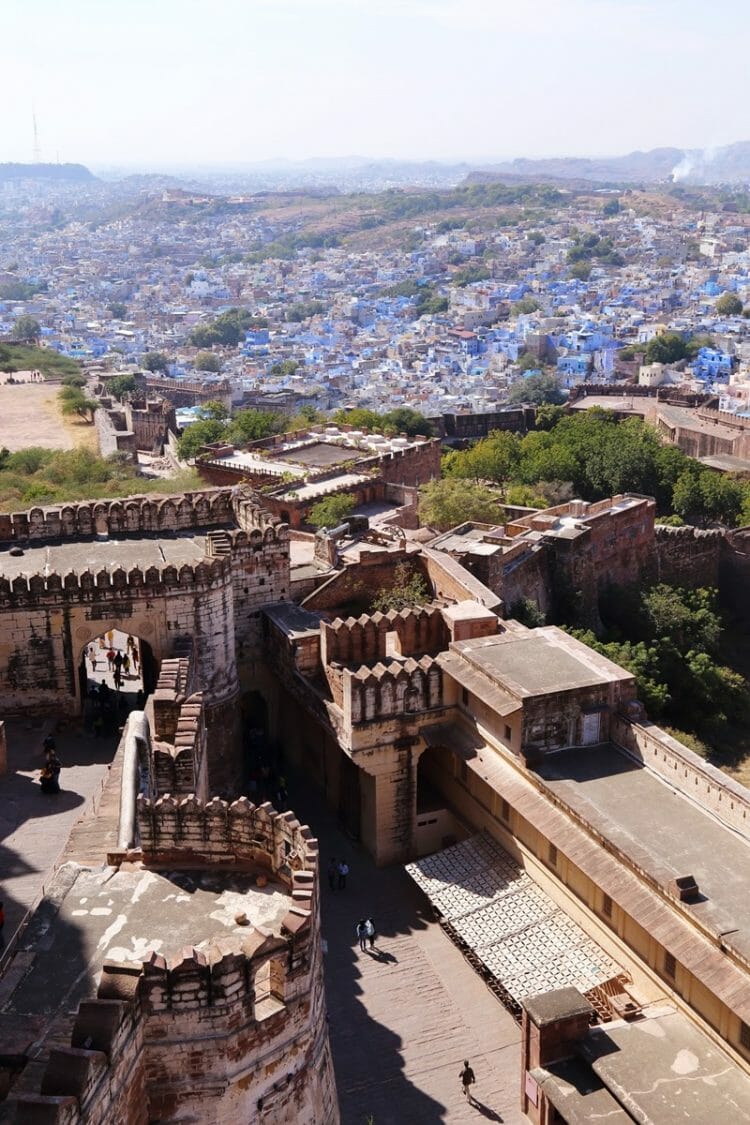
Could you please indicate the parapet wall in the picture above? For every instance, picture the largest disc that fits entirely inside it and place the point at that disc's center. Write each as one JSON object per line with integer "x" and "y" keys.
{"x": 250, "y": 515}
{"x": 393, "y": 690}
{"x": 133, "y": 515}
{"x": 179, "y": 761}
{"x": 687, "y": 556}
{"x": 364, "y": 640}
{"x": 24, "y": 590}
{"x": 686, "y": 771}
{"x": 189, "y": 831}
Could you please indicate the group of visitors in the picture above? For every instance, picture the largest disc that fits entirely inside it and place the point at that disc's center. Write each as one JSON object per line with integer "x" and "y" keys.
{"x": 121, "y": 665}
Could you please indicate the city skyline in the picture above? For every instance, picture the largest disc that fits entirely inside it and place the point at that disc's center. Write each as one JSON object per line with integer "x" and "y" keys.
{"x": 193, "y": 84}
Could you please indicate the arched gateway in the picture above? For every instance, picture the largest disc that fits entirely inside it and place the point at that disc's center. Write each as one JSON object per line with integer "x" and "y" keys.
{"x": 174, "y": 572}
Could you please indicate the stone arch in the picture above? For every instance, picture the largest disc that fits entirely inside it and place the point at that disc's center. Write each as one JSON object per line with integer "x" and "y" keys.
{"x": 95, "y": 640}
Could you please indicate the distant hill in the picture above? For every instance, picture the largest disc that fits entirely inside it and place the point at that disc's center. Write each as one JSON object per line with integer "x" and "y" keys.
{"x": 57, "y": 172}
{"x": 730, "y": 164}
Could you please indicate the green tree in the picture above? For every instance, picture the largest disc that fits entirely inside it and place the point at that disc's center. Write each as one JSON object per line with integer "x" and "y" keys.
{"x": 404, "y": 420}
{"x": 303, "y": 310}
{"x": 469, "y": 275}
{"x": 155, "y": 361}
{"x": 548, "y": 415}
{"x": 360, "y": 418}
{"x": 121, "y": 385}
{"x": 669, "y": 347}
{"x": 701, "y": 496}
{"x": 446, "y": 503}
{"x": 228, "y": 329}
{"x": 611, "y": 207}
{"x": 76, "y": 380}
{"x": 207, "y": 361}
{"x": 493, "y": 458}
{"x": 198, "y": 434}
{"x": 214, "y": 409}
{"x": 729, "y": 304}
{"x": 538, "y": 389}
{"x": 284, "y": 367}
{"x": 407, "y": 589}
{"x": 581, "y": 271}
{"x": 252, "y": 425}
{"x": 26, "y": 329}
{"x": 118, "y": 310}
{"x": 525, "y": 306}
{"x": 74, "y": 401}
{"x": 528, "y": 613}
{"x": 331, "y": 511}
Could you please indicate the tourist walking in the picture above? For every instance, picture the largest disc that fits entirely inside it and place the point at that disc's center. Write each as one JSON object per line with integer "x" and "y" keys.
{"x": 92, "y": 657}
{"x": 370, "y": 932}
{"x": 467, "y": 1079}
{"x": 111, "y": 659}
{"x": 343, "y": 870}
{"x": 361, "y": 929}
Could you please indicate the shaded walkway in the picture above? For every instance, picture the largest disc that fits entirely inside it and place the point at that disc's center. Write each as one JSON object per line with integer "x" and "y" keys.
{"x": 34, "y": 827}
{"x": 403, "y": 1018}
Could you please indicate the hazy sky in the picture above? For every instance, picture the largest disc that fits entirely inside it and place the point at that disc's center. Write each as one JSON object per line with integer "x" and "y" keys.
{"x": 155, "y": 83}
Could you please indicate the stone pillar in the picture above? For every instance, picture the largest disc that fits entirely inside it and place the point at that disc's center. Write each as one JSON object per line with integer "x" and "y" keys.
{"x": 3, "y": 750}
{"x": 551, "y": 1026}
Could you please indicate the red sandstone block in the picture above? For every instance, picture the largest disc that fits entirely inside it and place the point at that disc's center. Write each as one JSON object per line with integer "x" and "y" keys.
{"x": 71, "y": 1072}
{"x": 37, "y": 1110}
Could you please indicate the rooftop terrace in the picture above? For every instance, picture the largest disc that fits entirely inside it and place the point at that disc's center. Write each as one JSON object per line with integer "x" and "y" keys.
{"x": 661, "y": 830}
{"x": 104, "y": 553}
{"x": 539, "y": 662}
{"x": 127, "y": 914}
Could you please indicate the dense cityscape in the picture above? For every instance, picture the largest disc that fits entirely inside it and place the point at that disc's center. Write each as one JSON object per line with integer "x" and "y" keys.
{"x": 374, "y": 564}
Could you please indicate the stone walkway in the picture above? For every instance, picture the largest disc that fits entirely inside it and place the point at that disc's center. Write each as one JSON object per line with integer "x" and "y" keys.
{"x": 403, "y": 1018}
{"x": 34, "y": 827}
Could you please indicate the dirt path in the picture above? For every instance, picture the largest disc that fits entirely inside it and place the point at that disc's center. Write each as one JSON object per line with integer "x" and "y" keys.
{"x": 29, "y": 415}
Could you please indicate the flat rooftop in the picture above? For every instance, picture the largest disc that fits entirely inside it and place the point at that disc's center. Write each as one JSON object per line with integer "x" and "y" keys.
{"x": 539, "y": 662}
{"x": 660, "y": 829}
{"x": 688, "y": 419}
{"x": 473, "y": 539}
{"x": 125, "y": 914}
{"x": 320, "y": 455}
{"x": 667, "y": 1071}
{"x": 105, "y": 553}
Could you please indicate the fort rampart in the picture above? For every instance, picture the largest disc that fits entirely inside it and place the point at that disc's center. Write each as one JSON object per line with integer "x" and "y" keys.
{"x": 235, "y": 1031}
{"x": 135, "y": 515}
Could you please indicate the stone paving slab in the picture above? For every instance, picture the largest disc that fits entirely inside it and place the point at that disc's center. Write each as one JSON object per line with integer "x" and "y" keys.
{"x": 34, "y": 827}
{"x": 403, "y": 1018}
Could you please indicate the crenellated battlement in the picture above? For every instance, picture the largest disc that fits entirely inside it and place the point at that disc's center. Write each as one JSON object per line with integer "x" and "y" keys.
{"x": 365, "y": 639}
{"x": 396, "y": 689}
{"x": 188, "y": 830}
{"x": 251, "y": 516}
{"x": 116, "y": 583}
{"x": 134, "y": 515}
{"x": 665, "y": 531}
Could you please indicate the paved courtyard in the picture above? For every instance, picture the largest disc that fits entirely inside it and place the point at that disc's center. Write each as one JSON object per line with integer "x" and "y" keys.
{"x": 403, "y": 1018}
